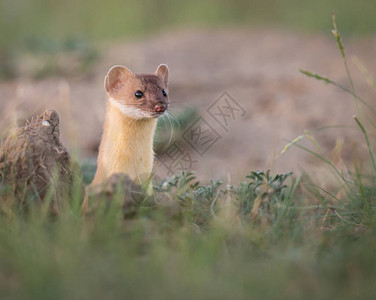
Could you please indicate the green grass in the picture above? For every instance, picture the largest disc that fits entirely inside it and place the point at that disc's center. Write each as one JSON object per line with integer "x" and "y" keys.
{"x": 214, "y": 251}
{"x": 213, "y": 248}
{"x": 104, "y": 20}
{"x": 267, "y": 237}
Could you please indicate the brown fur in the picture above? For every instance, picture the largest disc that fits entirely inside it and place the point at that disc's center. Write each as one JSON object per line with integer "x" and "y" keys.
{"x": 127, "y": 141}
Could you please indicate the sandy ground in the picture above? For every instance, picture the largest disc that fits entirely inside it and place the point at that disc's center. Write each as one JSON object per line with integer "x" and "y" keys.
{"x": 267, "y": 101}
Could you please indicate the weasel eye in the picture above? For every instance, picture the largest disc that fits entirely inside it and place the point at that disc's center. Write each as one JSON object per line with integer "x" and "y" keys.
{"x": 164, "y": 93}
{"x": 139, "y": 94}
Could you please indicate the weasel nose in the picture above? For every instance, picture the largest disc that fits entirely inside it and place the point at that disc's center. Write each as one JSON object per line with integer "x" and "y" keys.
{"x": 160, "y": 107}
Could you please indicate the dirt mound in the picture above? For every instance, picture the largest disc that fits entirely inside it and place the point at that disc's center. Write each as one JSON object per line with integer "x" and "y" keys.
{"x": 35, "y": 165}
{"x": 122, "y": 193}
{"x": 119, "y": 188}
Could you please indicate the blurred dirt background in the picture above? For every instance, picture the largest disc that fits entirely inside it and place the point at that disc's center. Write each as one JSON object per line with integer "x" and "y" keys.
{"x": 258, "y": 68}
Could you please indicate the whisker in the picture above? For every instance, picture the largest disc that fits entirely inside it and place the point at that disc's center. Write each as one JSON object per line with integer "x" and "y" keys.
{"x": 174, "y": 117}
{"x": 171, "y": 132}
{"x": 172, "y": 129}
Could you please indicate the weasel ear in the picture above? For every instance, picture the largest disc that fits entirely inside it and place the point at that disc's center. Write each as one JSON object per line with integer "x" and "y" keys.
{"x": 116, "y": 78}
{"x": 162, "y": 73}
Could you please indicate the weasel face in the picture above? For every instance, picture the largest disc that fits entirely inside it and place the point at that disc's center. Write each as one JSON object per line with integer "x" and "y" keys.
{"x": 139, "y": 96}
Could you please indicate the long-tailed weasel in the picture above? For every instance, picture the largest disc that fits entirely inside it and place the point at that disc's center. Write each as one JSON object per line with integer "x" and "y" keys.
{"x": 134, "y": 102}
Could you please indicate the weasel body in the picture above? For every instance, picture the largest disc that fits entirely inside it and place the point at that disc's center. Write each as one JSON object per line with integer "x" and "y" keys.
{"x": 134, "y": 102}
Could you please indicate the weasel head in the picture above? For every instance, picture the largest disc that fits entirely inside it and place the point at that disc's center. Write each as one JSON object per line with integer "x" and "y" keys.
{"x": 138, "y": 96}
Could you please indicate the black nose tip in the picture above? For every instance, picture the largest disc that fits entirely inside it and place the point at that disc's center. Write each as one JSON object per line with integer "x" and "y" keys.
{"x": 160, "y": 107}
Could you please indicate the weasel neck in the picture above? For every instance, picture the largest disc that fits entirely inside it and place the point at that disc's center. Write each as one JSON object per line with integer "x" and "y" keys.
{"x": 126, "y": 146}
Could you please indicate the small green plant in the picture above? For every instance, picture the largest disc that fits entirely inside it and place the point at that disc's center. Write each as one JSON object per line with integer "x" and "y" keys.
{"x": 260, "y": 194}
